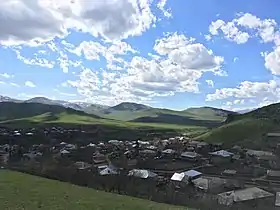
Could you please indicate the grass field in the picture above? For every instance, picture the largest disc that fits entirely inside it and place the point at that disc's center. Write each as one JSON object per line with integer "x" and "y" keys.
{"x": 66, "y": 118}
{"x": 20, "y": 191}
{"x": 201, "y": 114}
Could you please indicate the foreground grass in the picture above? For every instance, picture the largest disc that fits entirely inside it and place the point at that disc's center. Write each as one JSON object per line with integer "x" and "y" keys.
{"x": 22, "y": 191}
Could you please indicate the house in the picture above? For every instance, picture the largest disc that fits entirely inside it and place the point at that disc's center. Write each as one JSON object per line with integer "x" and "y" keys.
{"x": 231, "y": 197}
{"x": 148, "y": 152}
{"x": 258, "y": 153}
{"x": 265, "y": 158}
{"x": 272, "y": 139}
{"x": 98, "y": 158}
{"x": 192, "y": 174}
{"x": 229, "y": 172}
{"x": 221, "y": 157}
{"x": 277, "y": 199}
{"x": 82, "y": 165}
{"x": 142, "y": 173}
{"x": 109, "y": 170}
{"x": 115, "y": 142}
{"x": 210, "y": 184}
{"x": 64, "y": 153}
{"x": 168, "y": 153}
{"x": 186, "y": 176}
{"x": 179, "y": 177}
{"x": 271, "y": 174}
{"x": 191, "y": 156}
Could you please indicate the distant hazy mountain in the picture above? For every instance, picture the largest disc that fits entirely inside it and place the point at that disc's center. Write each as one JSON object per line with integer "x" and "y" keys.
{"x": 243, "y": 111}
{"x": 127, "y": 106}
{"x": 42, "y": 100}
{"x": 8, "y": 99}
{"x": 12, "y": 110}
{"x": 210, "y": 110}
{"x": 95, "y": 108}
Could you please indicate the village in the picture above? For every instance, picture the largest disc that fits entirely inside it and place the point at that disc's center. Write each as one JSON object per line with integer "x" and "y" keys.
{"x": 176, "y": 170}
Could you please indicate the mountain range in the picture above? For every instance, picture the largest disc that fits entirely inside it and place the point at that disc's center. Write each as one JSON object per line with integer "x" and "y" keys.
{"x": 214, "y": 125}
{"x": 125, "y": 112}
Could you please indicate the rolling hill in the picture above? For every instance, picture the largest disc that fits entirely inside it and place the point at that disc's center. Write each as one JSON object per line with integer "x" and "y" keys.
{"x": 46, "y": 194}
{"x": 133, "y": 112}
{"x": 11, "y": 110}
{"x": 246, "y": 129}
{"x": 40, "y": 109}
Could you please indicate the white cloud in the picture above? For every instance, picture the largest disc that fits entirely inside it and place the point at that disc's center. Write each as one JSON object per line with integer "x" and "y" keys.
{"x": 177, "y": 68}
{"x": 6, "y": 75}
{"x": 30, "y": 84}
{"x": 166, "y": 12}
{"x": 247, "y": 90}
{"x": 235, "y": 59}
{"x": 272, "y": 61}
{"x": 230, "y": 31}
{"x": 65, "y": 94}
{"x": 207, "y": 37}
{"x": 265, "y": 29}
{"x": 2, "y": 83}
{"x": 43, "y": 62}
{"x": 14, "y": 84}
{"x": 210, "y": 83}
{"x": 36, "y": 21}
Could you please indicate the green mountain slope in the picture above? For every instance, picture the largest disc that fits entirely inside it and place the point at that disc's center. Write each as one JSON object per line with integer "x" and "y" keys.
{"x": 29, "y": 114}
{"x": 246, "y": 129}
{"x": 205, "y": 116}
{"x": 10, "y": 110}
{"x": 16, "y": 193}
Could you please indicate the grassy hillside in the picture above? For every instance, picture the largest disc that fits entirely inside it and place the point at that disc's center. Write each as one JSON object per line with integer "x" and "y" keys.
{"x": 10, "y": 110}
{"x": 246, "y": 129}
{"x": 76, "y": 119}
{"x": 24, "y": 113}
{"x": 22, "y": 191}
{"x": 205, "y": 116}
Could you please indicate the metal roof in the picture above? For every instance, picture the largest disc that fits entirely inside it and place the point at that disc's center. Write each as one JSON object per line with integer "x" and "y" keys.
{"x": 222, "y": 153}
{"x": 190, "y": 154}
{"x": 142, "y": 173}
{"x": 178, "y": 177}
{"x": 108, "y": 171}
{"x": 191, "y": 173}
{"x": 277, "y": 199}
{"x": 168, "y": 151}
{"x": 247, "y": 194}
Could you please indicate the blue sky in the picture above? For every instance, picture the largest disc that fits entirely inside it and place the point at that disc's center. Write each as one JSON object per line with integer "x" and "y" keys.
{"x": 170, "y": 53}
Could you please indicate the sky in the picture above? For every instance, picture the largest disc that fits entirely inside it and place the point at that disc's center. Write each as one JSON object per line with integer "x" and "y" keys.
{"x": 167, "y": 53}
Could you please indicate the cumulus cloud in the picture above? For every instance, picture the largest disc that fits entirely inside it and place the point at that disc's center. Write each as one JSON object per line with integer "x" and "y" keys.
{"x": 35, "y": 21}
{"x": 37, "y": 61}
{"x": 270, "y": 91}
{"x": 176, "y": 67}
{"x": 30, "y": 84}
{"x": 265, "y": 29}
{"x": 14, "y": 84}
{"x": 210, "y": 83}
{"x": 166, "y": 12}
{"x": 272, "y": 61}
{"x": 6, "y": 75}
